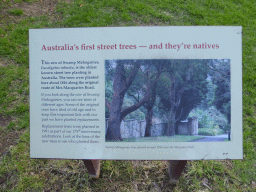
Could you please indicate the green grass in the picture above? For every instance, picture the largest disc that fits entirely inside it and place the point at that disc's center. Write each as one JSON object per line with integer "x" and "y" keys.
{"x": 20, "y": 173}
{"x": 16, "y": 12}
{"x": 175, "y": 138}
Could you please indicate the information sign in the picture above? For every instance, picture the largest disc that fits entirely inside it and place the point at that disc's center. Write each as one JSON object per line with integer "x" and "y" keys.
{"x": 156, "y": 93}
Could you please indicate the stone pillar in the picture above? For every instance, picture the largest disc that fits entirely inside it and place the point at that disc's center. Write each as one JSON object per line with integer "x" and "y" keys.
{"x": 190, "y": 126}
{"x": 195, "y": 119}
{"x": 193, "y": 125}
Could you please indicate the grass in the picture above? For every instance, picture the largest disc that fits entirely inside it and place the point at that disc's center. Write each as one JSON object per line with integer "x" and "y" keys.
{"x": 16, "y": 12}
{"x": 20, "y": 173}
{"x": 175, "y": 138}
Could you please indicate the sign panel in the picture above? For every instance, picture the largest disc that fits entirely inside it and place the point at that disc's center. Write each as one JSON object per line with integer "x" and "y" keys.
{"x": 156, "y": 93}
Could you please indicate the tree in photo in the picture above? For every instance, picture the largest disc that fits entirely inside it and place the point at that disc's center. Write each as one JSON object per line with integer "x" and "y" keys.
{"x": 182, "y": 88}
{"x": 123, "y": 73}
{"x": 220, "y": 72}
{"x": 214, "y": 110}
{"x": 150, "y": 72}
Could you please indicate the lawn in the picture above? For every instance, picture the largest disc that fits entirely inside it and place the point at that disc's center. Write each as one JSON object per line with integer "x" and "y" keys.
{"x": 20, "y": 173}
{"x": 175, "y": 138}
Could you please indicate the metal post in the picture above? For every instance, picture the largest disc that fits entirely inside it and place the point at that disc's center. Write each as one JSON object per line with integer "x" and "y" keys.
{"x": 93, "y": 167}
{"x": 175, "y": 169}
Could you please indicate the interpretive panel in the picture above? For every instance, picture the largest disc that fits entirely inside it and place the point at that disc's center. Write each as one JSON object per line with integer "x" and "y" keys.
{"x": 156, "y": 93}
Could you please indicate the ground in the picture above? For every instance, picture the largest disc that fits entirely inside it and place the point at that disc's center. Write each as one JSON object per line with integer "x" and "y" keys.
{"x": 217, "y": 138}
{"x": 175, "y": 138}
{"x": 8, "y": 138}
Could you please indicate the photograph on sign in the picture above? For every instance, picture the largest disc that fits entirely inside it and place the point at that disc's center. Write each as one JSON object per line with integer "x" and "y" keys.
{"x": 168, "y": 100}
{"x": 156, "y": 93}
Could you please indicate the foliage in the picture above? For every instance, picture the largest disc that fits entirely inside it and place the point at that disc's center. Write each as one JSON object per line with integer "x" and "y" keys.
{"x": 209, "y": 118}
{"x": 128, "y": 100}
{"x": 138, "y": 88}
{"x": 210, "y": 95}
{"x": 194, "y": 90}
{"x": 221, "y": 78}
{"x": 211, "y": 121}
{"x": 138, "y": 114}
{"x": 210, "y": 131}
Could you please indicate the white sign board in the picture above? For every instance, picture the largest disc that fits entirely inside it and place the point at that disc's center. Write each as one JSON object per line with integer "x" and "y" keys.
{"x": 156, "y": 93}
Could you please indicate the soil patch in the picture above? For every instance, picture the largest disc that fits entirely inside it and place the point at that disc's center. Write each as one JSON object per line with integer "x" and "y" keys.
{"x": 8, "y": 138}
{"x": 4, "y": 120}
{"x": 45, "y": 7}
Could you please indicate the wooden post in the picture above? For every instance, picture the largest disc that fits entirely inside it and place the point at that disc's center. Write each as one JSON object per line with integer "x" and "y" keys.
{"x": 175, "y": 169}
{"x": 93, "y": 167}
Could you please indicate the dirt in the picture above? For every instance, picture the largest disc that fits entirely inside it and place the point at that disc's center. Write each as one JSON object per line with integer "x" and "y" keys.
{"x": 37, "y": 8}
{"x": 2, "y": 64}
{"x": 4, "y": 120}
{"x": 42, "y": 7}
{"x": 8, "y": 138}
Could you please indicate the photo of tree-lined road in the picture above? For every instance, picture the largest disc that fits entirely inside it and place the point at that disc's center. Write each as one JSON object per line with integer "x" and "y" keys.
{"x": 178, "y": 100}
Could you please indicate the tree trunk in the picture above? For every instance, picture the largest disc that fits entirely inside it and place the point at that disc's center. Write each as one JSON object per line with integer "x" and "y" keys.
{"x": 120, "y": 86}
{"x": 149, "y": 121}
{"x": 113, "y": 131}
{"x": 175, "y": 98}
{"x": 176, "y": 128}
{"x": 229, "y": 117}
{"x": 149, "y": 106}
{"x": 171, "y": 123}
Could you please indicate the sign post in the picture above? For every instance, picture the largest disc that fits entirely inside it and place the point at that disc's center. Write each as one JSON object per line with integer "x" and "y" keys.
{"x": 93, "y": 167}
